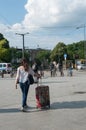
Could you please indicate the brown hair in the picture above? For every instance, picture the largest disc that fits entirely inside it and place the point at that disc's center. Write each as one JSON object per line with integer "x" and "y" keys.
{"x": 24, "y": 63}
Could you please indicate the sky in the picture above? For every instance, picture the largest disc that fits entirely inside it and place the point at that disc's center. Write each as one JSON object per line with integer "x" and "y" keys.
{"x": 44, "y": 23}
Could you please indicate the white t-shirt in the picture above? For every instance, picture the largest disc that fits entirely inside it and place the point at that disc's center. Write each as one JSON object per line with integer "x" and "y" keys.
{"x": 22, "y": 75}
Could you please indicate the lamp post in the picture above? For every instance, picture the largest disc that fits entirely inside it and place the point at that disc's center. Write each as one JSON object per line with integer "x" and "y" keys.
{"x": 23, "y": 48}
{"x": 84, "y": 40}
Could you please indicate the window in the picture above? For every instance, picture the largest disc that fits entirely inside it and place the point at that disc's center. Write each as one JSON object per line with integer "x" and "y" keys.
{"x": 1, "y": 65}
{"x": 4, "y": 65}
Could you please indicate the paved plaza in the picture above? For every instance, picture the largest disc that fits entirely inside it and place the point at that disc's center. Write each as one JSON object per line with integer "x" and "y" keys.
{"x": 67, "y": 98}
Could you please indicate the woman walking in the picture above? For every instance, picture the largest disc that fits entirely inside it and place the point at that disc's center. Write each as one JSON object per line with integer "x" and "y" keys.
{"x": 22, "y": 78}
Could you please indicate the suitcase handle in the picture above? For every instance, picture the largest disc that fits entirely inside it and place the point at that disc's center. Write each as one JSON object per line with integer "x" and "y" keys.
{"x": 39, "y": 83}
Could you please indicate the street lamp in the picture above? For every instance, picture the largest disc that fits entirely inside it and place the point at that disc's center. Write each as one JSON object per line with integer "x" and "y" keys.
{"x": 84, "y": 39}
{"x": 22, "y": 34}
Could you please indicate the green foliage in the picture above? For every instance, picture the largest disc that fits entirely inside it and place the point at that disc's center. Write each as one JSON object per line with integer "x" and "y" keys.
{"x": 81, "y": 49}
{"x": 18, "y": 54}
{"x": 4, "y": 49}
{"x": 5, "y": 55}
{"x": 76, "y": 50}
{"x": 4, "y": 43}
{"x": 58, "y": 52}
{"x": 43, "y": 55}
{"x": 70, "y": 50}
{"x": 73, "y": 51}
{"x": 1, "y": 36}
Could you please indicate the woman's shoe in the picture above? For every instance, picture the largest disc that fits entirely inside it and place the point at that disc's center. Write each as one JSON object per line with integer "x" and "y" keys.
{"x": 24, "y": 109}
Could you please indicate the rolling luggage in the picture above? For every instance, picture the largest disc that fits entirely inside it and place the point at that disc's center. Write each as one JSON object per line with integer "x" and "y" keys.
{"x": 42, "y": 96}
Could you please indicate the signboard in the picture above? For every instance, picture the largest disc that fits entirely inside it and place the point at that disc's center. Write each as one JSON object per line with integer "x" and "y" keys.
{"x": 65, "y": 56}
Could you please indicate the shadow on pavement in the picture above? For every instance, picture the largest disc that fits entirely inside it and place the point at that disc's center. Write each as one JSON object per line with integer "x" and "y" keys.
{"x": 53, "y": 106}
{"x": 68, "y": 105}
{"x": 9, "y": 110}
{"x": 16, "y": 110}
{"x": 51, "y": 82}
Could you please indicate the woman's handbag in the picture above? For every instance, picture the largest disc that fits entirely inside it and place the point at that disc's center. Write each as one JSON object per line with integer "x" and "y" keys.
{"x": 31, "y": 79}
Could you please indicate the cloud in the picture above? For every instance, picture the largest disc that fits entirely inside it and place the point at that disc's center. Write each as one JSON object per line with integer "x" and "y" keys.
{"x": 54, "y": 12}
{"x": 51, "y": 20}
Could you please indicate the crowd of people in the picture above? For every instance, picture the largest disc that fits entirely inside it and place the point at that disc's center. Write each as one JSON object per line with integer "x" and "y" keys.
{"x": 37, "y": 72}
{"x": 58, "y": 67}
{"x": 24, "y": 70}
{"x": 54, "y": 67}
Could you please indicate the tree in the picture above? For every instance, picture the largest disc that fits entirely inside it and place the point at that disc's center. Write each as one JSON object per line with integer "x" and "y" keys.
{"x": 1, "y": 36}
{"x": 58, "y": 52}
{"x": 4, "y": 49}
{"x": 43, "y": 57}
{"x": 75, "y": 50}
{"x": 5, "y": 55}
{"x": 81, "y": 49}
{"x": 70, "y": 51}
{"x": 4, "y": 43}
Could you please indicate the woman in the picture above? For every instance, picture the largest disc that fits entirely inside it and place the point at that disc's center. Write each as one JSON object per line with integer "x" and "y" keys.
{"x": 22, "y": 78}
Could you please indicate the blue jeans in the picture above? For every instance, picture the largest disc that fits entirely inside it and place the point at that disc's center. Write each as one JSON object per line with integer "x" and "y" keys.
{"x": 24, "y": 88}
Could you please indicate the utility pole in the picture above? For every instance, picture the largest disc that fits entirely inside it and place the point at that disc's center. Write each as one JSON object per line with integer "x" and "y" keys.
{"x": 83, "y": 26}
{"x": 23, "y": 47}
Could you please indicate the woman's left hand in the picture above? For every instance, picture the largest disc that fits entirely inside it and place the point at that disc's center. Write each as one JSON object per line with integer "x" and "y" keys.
{"x": 16, "y": 86}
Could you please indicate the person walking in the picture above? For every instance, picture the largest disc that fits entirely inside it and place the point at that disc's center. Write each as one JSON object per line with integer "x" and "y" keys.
{"x": 70, "y": 69}
{"x": 51, "y": 68}
{"x": 60, "y": 66}
{"x": 35, "y": 67}
{"x": 22, "y": 78}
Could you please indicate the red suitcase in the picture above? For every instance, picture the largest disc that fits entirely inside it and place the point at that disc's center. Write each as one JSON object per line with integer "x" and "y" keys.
{"x": 42, "y": 96}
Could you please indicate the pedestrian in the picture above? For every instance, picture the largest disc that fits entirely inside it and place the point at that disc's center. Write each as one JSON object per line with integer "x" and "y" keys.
{"x": 60, "y": 66}
{"x": 22, "y": 78}
{"x": 51, "y": 68}
{"x": 2, "y": 73}
{"x": 35, "y": 68}
{"x": 70, "y": 69}
{"x": 41, "y": 68}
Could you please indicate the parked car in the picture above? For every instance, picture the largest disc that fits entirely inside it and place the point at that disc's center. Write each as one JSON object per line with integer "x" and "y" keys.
{"x": 81, "y": 66}
{"x": 5, "y": 67}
